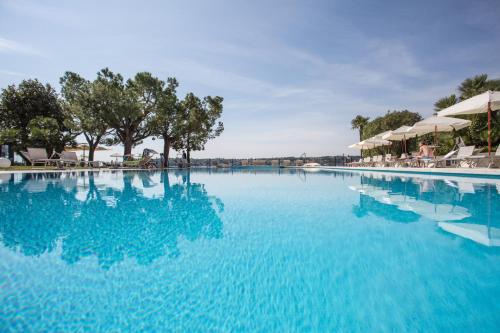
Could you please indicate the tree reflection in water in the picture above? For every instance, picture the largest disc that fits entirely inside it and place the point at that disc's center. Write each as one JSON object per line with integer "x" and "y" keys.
{"x": 130, "y": 217}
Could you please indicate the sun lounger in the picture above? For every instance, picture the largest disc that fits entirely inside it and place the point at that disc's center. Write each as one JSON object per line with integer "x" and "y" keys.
{"x": 141, "y": 163}
{"x": 38, "y": 156}
{"x": 461, "y": 159}
{"x": 443, "y": 159}
{"x": 476, "y": 160}
{"x": 355, "y": 163}
{"x": 69, "y": 158}
{"x": 378, "y": 161}
{"x": 389, "y": 160}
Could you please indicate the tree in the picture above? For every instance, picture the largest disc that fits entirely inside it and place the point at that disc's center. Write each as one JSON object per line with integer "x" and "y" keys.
{"x": 168, "y": 118}
{"x": 390, "y": 121}
{"x": 445, "y": 102}
{"x": 33, "y": 110}
{"x": 477, "y": 131}
{"x": 138, "y": 99}
{"x": 359, "y": 123}
{"x": 198, "y": 122}
{"x": 88, "y": 104}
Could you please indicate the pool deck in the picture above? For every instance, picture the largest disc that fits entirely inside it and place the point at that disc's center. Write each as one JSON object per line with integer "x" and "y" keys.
{"x": 473, "y": 172}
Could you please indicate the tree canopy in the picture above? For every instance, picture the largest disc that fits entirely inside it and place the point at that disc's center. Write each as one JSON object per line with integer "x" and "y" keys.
{"x": 359, "y": 122}
{"x": 477, "y": 133}
{"x": 88, "y": 104}
{"x": 199, "y": 122}
{"x": 390, "y": 121}
{"x": 31, "y": 115}
{"x": 107, "y": 110}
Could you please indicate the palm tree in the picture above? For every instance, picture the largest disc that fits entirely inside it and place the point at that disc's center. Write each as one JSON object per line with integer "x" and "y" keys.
{"x": 469, "y": 88}
{"x": 359, "y": 123}
{"x": 445, "y": 102}
{"x": 473, "y": 86}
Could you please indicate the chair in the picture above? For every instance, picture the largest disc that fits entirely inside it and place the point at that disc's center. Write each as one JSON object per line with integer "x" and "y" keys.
{"x": 440, "y": 160}
{"x": 475, "y": 160}
{"x": 38, "y": 156}
{"x": 69, "y": 158}
{"x": 463, "y": 154}
{"x": 355, "y": 163}
{"x": 143, "y": 163}
{"x": 378, "y": 161}
{"x": 366, "y": 161}
{"x": 389, "y": 160}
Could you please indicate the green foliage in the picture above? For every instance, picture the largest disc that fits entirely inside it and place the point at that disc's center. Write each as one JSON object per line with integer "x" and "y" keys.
{"x": 131, "y": 117}
{"x": 9, "y": 135}
{"x": 28, "y": 105}
{"x": 107, "y": 110}
{"x": 88, "y": 104}
{"x": 45, "y": 132}
{"x": 477, "y": 133}
{"x": 359, "y": 122}
{"x": 168, "y": 117}
{"x": 390, "y": 121}
{"x": 445, "y": 102}
{"x": 198, "y": 122}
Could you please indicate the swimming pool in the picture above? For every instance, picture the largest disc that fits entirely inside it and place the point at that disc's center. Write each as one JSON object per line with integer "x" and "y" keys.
{"x": 250, "y": 250}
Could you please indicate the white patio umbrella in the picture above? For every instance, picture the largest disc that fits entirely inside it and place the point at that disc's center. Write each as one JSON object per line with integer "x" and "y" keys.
{"x": 400, "y": 134}
{"x": 370, "y": 143}
{"x": 478, "y": 233}
{"x": 379, "y": 136}
{"x": 440, "y": 124}
{"x": 485, "y": 102}
{"x": 116, "y": 155}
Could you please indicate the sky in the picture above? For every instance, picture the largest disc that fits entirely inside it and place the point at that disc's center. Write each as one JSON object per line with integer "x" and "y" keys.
{"x": 292, "y": 73}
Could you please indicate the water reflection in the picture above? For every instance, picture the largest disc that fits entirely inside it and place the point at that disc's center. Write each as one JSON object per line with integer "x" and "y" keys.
{"x": 467, "y": 207}
{"x": 109, "y": 215}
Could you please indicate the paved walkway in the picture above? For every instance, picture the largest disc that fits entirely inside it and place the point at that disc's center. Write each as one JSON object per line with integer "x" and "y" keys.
{"x": 482, "y": 172}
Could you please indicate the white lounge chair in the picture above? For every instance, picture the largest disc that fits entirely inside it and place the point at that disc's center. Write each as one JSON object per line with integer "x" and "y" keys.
{"x": 475, "y": 160}
{"x": 462, "y": 155}
{"x": 443, "y": 159}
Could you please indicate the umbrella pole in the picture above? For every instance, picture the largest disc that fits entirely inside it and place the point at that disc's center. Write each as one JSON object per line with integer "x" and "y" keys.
{"x": 435, "y": 135}
{"x": 489, "y": 130}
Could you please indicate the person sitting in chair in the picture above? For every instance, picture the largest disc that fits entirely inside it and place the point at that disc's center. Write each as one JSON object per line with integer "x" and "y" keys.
{"x": 425, "y": 153}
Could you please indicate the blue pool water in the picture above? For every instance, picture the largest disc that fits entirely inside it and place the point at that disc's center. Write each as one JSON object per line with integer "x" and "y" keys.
{"x": 248, "y": 251}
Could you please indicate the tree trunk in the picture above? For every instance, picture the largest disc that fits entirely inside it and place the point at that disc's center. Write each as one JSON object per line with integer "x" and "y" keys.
{"x": 92, "y": 149}
{"x": 127, "y": 147}
{"x": 188, "y": 151}
{"x": 166, "y": 150}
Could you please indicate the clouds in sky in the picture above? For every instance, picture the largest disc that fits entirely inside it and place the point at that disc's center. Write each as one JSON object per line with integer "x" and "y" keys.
{"x": 292, "y": 73}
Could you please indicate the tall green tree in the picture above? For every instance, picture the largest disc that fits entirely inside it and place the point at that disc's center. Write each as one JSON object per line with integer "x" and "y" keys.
{"x": 168, "y": 117}
{"x": 390, "y": 121}
{"x": 32, "y": 113}
{"x": 199, "y": 122}
{"x": 88, "y": 103}
{"x": 132, "y": 117}
{"x": 359, "y": 122}
{"x": 445, "y": 102}
{"x": 477, "y": 132}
